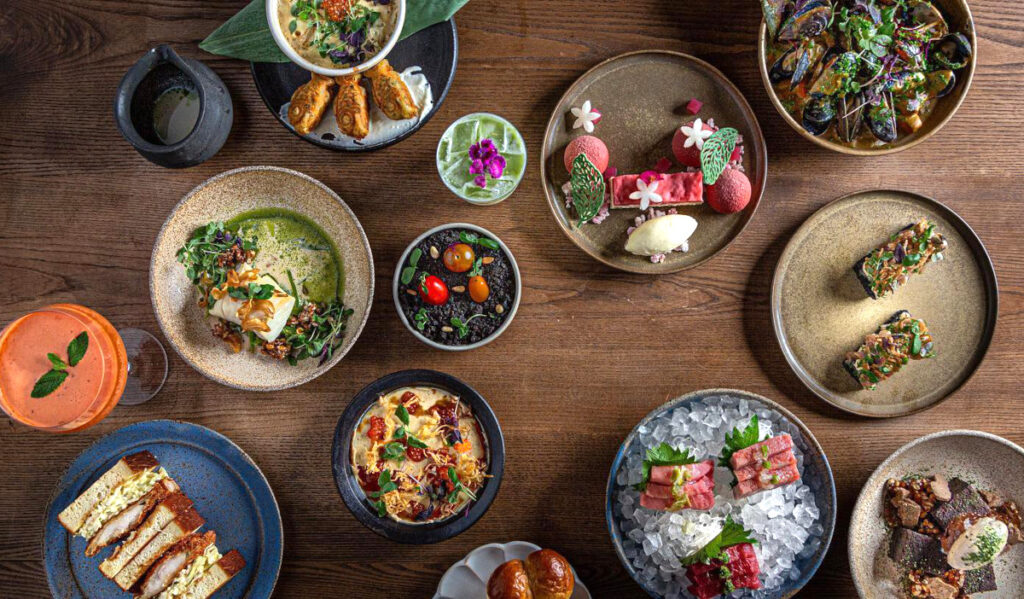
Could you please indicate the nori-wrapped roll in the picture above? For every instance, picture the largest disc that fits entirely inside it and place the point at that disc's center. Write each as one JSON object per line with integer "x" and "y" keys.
{"x": 900, "y": 339}
{"x": 890, "y": 265}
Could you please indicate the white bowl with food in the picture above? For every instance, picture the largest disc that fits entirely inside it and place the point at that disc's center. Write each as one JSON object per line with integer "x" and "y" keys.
{"x": 336, "y": 38}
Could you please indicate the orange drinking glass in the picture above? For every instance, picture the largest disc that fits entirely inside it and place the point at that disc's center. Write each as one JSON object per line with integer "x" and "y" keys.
{"x": 126, "y": 366}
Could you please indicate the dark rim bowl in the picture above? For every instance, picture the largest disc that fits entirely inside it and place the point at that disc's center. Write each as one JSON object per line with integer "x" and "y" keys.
{"x": 814, "y": 457}
{"x": 348, "y": 483}
{"x": 396, "y": 285}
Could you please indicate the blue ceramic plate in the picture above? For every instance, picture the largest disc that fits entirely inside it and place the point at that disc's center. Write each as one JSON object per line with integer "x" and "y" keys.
{"x": 228, "y": 490}
{"x": 815, "y": 472}
{"x": 347, "y": 481}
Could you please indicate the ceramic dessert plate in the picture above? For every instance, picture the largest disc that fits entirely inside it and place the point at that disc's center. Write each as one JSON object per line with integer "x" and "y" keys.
{"x": 638, "y": 129}
{"x": 792, "y": 524}
{"x": 227, "y": 196}
{"x": 468, "y": 577}
{"x": 820, "y": 310}
{"x": 985, "y": 460}
{"x": 434, "y": 50}
{"x": 227, "y": 489}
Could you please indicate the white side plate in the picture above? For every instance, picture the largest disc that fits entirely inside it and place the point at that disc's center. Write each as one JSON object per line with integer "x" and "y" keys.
{"x": 467, "y": 579}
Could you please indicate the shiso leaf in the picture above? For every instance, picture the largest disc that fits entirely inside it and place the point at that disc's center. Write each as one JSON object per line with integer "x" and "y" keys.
{"x": 663, "y": 455}
{"x": 588, "y": 189}
{"x": 716, "y": 152}
{"x": 740, "y": 439}
{"x": 732, "y": 534}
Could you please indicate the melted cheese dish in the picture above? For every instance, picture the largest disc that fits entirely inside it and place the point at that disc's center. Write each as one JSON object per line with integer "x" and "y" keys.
{"x": 406, "y": 448}
{"x": 128, "y": 493}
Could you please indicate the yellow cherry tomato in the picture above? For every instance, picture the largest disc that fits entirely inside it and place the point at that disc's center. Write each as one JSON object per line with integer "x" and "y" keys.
{"x": 459, "y": 257}
{"x": 478, "y": 289}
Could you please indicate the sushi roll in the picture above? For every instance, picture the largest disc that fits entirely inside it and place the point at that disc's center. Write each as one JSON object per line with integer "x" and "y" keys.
{"x": 899, "y": 340}
{"x": 907, "y": 252}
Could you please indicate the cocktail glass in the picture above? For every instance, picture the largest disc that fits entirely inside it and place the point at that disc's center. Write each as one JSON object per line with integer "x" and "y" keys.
{"x": 127, "y": 366}
{"x": 453, "y": 161}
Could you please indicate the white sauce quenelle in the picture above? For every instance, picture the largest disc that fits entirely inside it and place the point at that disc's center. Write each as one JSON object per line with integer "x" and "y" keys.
{"x": 979, "y": 544}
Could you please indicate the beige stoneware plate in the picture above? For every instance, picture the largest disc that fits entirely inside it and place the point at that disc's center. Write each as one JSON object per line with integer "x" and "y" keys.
{"x": 222, "y": 198}
{"x": 637, "y": 127}
{"x": 984, "y": 459}
{"x": 820, "y": 311}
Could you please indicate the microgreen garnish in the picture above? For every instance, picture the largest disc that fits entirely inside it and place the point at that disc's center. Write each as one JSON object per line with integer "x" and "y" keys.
{"x": 409, "y": 272}
{"x": 717, "y": 152}
{"x": 462, "y": 328}
{"x": 739, "y": 439}
{"x": 421, "y": 319}
{"x": 478, "y": 268}
{"x": 663, "y": 455}
{"x": 588, "y": 189}
{"x": 732, "y": 534}
{"x": 58, "y": 371}
{"x": 386, "y": 486}
{"x": 254, "y": 291}
{"x": 453, "y": 497}
{"x": 210, "y": 253}
{"x": 474, "y": 239}
{"x": 322, "y": 336}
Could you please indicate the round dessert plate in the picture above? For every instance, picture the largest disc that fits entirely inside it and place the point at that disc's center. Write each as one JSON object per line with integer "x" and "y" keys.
{"x": 820, "y": 311}
{"x": 435, "y": 50}
{"x": 735, "y": 408}
{"x": 469, "y": 576}
{"x": 985, "y": 460}
{"x": 219, "y": 199}
{"x": 347, "y": 481}
{"x": 227, "y": 488}
{"x": 638, "y": 130}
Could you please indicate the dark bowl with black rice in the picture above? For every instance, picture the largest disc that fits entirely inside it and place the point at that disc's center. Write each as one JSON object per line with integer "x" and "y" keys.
{"x": 434, "y": 325}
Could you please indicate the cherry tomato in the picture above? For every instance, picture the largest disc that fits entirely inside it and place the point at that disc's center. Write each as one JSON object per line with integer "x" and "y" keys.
{"x": 433, "y": 290}
{"x": 376, "y": 430}
{"x": 459, "y": 257}
{"x": 478, "y": 289}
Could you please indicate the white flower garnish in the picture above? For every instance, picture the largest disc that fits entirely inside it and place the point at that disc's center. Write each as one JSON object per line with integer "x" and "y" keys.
{"x": 695, "y": 135}
{"x": 586, "y": 117}
{"x": 646, "y": 193}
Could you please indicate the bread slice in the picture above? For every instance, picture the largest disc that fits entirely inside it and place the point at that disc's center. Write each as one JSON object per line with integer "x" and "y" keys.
{"x": 75, "y": 515}
{"x": 172, "y": 563}
{"x": 165, "y": 512}
{"x": 217, "y": 576}
{"x": 179, "y": 528}
{"x": 119, "y": 526}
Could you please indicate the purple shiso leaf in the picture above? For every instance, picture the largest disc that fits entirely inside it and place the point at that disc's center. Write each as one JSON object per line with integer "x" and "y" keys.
{"x": 481, "y": 181}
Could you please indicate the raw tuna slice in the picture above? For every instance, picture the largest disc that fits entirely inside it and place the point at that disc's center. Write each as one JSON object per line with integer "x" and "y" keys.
{"x": 708, "y": 580}
{"x": 696, "y": 495}
{"x": 767, "y": 479}
{"x": 754, "y": 454}
{"x": 694, "y": 487}
{"x": 666, "y": 475}
{"x": 779, "y": 460}
{"x": 675, "y": 189}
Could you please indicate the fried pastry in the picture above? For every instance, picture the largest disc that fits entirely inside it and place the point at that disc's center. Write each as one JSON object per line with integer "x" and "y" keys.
{"x": 350, "y": 107}
{"x": 309, "y": 103}
{"x": 390, "y": 93}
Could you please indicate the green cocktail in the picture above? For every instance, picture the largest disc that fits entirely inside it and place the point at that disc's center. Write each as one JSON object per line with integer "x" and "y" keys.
{"x": 481, "y": 158}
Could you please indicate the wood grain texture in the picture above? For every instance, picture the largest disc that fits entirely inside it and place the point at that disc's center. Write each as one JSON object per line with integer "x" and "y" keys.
{"x": 591, "y": 351}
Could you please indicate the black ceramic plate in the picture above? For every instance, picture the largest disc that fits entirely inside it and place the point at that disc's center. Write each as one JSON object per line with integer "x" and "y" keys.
{"x": 434, "y": 49}
{"x": 348, "y": 482}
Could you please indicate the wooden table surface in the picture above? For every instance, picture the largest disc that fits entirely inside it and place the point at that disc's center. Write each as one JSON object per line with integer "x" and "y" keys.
{"x": 591, "y": 351}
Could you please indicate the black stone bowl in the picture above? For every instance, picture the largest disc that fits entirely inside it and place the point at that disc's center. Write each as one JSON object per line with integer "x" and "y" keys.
{"x": 347, "y": 480}
{"x": 435, "y": 49}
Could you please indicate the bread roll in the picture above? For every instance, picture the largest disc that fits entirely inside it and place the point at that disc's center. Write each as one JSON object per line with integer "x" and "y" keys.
{"x": 544, "y": 575}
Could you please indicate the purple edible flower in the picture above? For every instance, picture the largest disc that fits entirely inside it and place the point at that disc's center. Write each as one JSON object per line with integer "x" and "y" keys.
{"x": 487, "y": 159}
{"x": 477, "y": 167}
{"x": 497, "y": 167}
{"x": 481, "y": 181}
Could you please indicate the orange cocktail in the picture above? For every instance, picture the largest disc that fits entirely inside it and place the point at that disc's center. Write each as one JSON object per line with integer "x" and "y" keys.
{"x": 93, "y": 385}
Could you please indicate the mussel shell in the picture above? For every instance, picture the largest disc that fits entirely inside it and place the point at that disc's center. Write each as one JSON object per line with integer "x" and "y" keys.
{"x": 782, "y": 69}
{"x": 837, "y": 69}
{"x": 818, "y": 114}
{"x": 940, "y": 84}
{"x": 881, "y": 120}
{"x": 808, "y": 19}
{"x": 773, "y": 11}
{"x": 927, "y": 14}
{"x": 849, "y": 117}
{"x": 952, "y": 51}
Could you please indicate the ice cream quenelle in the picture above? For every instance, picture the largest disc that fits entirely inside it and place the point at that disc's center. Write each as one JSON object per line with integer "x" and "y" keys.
{"x": 661, "y": 235}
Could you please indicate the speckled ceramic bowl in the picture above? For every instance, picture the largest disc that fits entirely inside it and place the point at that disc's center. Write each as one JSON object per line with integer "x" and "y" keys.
{"x": 984, "y": 459}
{"x": 396, "y": 285}
{"x": 468, "y": 577}
{"x": 221, "y": 198}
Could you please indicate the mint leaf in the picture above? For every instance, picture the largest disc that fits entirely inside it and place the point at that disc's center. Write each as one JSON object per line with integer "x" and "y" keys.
{"x": 56, "y": 362}
{"x": 77, "y": 348}
{"x": 48, "y": 383}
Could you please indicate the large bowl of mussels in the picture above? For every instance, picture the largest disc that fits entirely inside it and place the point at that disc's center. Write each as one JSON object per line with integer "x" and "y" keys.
{"x": 867, "y": 78}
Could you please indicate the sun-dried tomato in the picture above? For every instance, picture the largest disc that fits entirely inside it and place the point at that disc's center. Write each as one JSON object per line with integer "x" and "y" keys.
{"x": 337, "y": 10}
{"x": 377, "y": 429}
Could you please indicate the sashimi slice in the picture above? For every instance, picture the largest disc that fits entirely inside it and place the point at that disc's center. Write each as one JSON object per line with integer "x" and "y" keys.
{"x": 779, "y": 460}
{"x": 754, "y": 453}
{"x": 666, "y": 475}
{"x": 765, "y": 481}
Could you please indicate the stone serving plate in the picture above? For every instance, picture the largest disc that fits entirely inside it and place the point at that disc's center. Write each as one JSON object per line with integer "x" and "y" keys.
{"x": 468, "y": 577}
{"x": 222, "y": 198}
{"x": 817, "y": 473}
{"x": 820, "y": 311}
{"x": 982, "y": 458}
{"x": 958, "y": 15}
{"x": 347, "y": 481}
{"x": 638, "y": 129}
